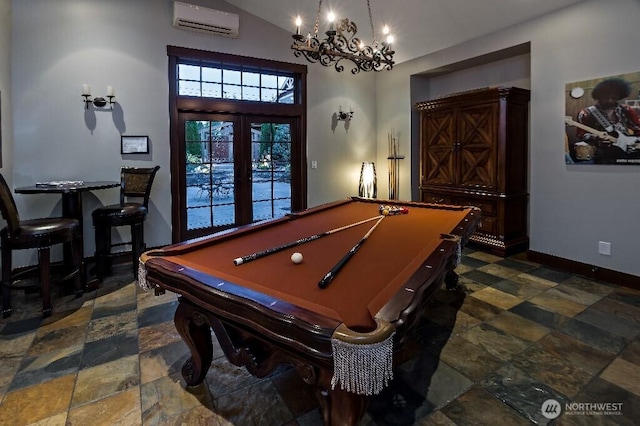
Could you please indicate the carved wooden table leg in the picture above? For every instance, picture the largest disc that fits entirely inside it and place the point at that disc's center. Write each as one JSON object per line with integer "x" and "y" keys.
{"x": 346, "y": 408}
{"x": 194, "y": 330}
{"x": 339, "y": 407}
{"x": 451, "y": 280}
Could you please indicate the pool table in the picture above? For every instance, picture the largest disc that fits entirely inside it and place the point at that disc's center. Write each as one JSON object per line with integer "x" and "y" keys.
{"x": 268, "y": 311}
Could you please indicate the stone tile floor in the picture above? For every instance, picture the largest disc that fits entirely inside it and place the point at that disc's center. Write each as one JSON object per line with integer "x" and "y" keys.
{"x": 514, "y": 335}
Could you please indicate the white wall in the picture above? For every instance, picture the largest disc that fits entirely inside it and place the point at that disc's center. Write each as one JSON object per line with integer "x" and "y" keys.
{"x": 513, "y": 71}
{"x": 339, "y": 147}
{"x": 571, "y": 207}
{"x": 58, "y": 46}
{"x": 6, "y": 127}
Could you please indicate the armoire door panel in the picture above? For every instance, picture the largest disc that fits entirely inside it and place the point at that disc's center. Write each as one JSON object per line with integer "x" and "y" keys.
{"x": 477, "y": 157}
{"x": 438, "y": 162}
{"x": 440, "y": 168}
{"x": 476, "y": 169}
{"x": 439, "y": 130}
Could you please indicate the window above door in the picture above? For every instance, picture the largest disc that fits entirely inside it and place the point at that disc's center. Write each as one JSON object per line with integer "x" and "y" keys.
{"x": 210, "y": 81}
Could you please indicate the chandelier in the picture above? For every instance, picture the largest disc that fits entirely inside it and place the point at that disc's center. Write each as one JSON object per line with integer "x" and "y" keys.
{"x": 341, "y": 43}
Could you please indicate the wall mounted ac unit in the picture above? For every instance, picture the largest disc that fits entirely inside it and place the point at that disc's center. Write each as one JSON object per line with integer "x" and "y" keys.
{"x": 203, "y": 20}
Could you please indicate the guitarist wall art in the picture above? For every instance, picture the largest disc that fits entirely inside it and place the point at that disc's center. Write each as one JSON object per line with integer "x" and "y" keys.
{"x": 606, "y": 128}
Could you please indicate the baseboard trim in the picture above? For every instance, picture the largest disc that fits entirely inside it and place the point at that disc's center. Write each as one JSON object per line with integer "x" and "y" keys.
{"x": 590, "y": 271}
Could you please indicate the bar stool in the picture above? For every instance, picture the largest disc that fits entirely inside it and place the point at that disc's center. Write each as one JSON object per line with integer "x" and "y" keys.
{"x": 38, "y": 234}
{"x": 135, "y": 182}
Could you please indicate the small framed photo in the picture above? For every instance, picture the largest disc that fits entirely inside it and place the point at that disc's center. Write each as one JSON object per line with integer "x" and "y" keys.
{"x": 134, "y": 144}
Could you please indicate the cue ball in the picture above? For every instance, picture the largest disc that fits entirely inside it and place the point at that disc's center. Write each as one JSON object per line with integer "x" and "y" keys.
{"x": 296, "y": 257}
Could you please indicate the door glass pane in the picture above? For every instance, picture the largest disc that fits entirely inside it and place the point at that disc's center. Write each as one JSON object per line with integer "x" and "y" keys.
{"x": 269, "y": 81}
{"x": 212, "y": 90}
{"x": 188, "y": 72}
{"x": 250, "y": 79}
{"x": 269, "y": 95}
{"x": 232, "y": 77}
{"x": 251, "y": 93}
{"x": 210, "y": 174}
{"x": 232, "y": 91}
{"x": 212, "y": 74}
{"x": 189, "y": 88}
{"x": 271, "y": 170}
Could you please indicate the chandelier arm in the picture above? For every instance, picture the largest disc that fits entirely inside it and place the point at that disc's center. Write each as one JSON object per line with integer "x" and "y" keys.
{"x": 358, "y": 59}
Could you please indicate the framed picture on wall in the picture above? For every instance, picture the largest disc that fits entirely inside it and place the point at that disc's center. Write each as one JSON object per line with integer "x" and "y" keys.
{"x": 134, "y": 144}
{"x": 602, "y": 120}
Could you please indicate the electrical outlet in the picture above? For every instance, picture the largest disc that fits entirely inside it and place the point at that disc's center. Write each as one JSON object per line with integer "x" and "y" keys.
{"x": 314, "y": 164}
{"x": 604, "y": 248}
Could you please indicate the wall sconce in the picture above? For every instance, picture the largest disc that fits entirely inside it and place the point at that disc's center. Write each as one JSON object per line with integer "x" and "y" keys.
{"x": 368, "y": 187}
{"x": 98, "y": 101}
{"x": 344, "y": 116}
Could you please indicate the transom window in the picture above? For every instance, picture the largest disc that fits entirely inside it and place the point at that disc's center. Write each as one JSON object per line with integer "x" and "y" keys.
{"x": 223, "y": 83}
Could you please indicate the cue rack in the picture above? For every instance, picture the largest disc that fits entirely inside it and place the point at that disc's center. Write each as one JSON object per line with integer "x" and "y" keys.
{"x": 393, "y": 160}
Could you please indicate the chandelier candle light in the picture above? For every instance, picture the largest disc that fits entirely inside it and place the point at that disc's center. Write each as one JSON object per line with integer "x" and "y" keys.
{"x": 341, "y": 43}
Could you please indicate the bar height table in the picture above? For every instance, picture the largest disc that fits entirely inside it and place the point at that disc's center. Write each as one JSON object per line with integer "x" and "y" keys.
{"x": 71, "y": 193}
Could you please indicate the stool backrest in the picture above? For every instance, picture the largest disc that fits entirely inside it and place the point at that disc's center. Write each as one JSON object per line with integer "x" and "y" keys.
{"x": 136, "y": 182}
{"x": 8, "y": 207}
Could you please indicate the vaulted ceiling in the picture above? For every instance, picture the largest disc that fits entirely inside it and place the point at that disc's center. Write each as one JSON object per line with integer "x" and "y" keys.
{"x": 419, "y": 27}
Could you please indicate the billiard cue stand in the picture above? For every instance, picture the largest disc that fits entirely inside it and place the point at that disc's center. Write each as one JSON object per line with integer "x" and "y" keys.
{"x": 393, "y": 160}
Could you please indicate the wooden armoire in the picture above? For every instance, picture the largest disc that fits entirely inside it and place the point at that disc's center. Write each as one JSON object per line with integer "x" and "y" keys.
{"x": 473, "y": 151}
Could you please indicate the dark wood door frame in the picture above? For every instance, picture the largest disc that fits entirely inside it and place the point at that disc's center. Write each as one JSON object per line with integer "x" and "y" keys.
{"x": 181, "y": 104}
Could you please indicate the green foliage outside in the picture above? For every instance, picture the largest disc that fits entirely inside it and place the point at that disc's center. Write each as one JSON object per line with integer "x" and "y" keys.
{"x": 192, "y": 131}
{"x": 275, "y": 145}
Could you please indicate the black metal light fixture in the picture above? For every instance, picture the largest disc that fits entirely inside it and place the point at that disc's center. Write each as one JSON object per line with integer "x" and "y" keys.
{"x": 344, "y": 115}
{"x": 98, "y": 101}
{"x": 341, "y": 43}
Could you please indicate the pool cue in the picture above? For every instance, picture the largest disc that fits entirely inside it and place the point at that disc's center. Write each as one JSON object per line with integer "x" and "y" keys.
{"x": 267, "y": 252}
{"x": 324, "y": 282}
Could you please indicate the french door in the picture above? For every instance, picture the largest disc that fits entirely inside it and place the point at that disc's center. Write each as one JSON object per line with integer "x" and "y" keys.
{"x": 235, "y": 169}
